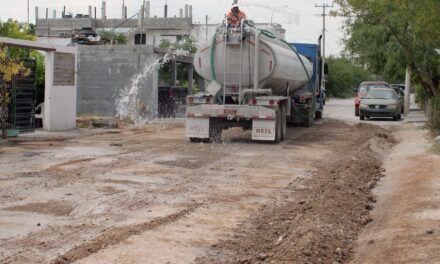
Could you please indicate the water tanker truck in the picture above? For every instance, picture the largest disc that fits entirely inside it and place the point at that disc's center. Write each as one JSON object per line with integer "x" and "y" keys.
{"x": 257, "y": 82}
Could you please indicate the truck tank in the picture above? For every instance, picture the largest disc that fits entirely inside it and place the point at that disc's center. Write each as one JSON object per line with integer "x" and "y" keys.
{"x": 280, "y": 67}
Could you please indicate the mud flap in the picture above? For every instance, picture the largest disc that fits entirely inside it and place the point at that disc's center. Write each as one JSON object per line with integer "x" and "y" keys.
{"x": 197, "y": 127}
{"x": 263, "y": 129}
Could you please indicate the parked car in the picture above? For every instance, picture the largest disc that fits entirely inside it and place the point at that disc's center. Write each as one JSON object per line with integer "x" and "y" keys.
{"x": 86, "y": 36}
{"x": 400, "y": 90}
{"x": 363, "y": 89}
{"x": 381, "y": 102}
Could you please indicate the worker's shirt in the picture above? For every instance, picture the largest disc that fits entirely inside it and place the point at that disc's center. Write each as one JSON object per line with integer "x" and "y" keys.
{"x": 234, "y": 19}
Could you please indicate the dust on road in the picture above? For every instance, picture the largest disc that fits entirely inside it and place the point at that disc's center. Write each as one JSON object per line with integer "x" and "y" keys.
{"x": 150, "y": 196}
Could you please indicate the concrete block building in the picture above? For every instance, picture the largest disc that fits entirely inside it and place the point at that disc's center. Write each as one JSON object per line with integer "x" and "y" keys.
{"x": 105, "y": 71}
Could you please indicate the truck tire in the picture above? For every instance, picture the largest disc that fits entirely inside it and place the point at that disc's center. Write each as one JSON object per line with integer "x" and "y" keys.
{"x": 215, "y": 133}
{"x": 195, "y": 140}
{"x": 318, "y": 114}
{"x": 284, "y": 122}
{"x": 308, "y": 122}
{"x": 278, "y": 127}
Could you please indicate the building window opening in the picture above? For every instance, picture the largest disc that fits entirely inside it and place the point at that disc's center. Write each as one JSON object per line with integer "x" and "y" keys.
{"x": 140, "y": 39}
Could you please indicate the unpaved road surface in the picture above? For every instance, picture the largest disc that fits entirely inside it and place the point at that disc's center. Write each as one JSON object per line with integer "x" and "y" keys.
{"x": 148, "y": 195}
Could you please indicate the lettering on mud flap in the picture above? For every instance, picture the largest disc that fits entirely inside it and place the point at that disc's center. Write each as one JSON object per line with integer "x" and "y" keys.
{"x": 197, "y": 127}
{"x": 263, "y": 129}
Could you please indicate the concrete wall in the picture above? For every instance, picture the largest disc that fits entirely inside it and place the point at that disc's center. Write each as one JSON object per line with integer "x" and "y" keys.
{"x": 153, "y": 36}
{"x": 65, "y": 26}
{"x": 104, "y": 72}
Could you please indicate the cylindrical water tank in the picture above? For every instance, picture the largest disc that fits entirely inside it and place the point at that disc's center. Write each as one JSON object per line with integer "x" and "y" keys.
{"x": 281, "y": 69}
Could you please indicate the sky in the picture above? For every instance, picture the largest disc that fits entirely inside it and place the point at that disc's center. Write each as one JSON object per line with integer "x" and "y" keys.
{"x": 300, "y": 18}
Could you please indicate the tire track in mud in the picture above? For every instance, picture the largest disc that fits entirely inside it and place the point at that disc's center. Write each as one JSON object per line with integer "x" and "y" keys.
{"x": 318, "y": 223}
{"x": 114, "y": 235}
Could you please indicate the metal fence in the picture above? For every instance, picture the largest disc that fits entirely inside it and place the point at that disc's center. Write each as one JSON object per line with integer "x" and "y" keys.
{"x": 21, "y": 107}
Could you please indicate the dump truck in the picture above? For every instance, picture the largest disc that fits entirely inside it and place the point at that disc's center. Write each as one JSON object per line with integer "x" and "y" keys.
{"x": 257, "y": 81}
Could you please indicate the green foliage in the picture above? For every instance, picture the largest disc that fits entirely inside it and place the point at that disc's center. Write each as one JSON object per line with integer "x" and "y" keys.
{"x": 39, "y": 58}
{"x": 435, "y": 113}
{"x": 108, "y": 37}
{"x": 188, "y": 44}
{"x": 421, "y": 95}
{"x": 121, "y": 38}
{"x": 344, "y": 76}
{"x": 9, "y": 67}
{"x": 388, "y": 35}
{"x": 165, "y": 44}
{"x": 15, "y": 29}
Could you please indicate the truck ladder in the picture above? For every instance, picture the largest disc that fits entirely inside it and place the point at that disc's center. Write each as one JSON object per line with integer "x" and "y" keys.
{"x": 232, "y": 71}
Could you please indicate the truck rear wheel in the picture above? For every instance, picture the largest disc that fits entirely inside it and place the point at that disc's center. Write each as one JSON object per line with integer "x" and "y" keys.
{"x": 215, "y": 133}
{"x": 318, "y": 114}
{"x": 283, "y": 121}
{"x": 278, "y": 127}
{"x": 308, "y": 122}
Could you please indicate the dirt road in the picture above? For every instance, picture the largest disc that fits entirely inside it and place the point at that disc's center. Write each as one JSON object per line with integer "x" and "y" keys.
{"x": 150, "y": 196}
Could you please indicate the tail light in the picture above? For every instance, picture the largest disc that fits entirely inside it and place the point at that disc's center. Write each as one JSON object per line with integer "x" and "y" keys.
{"x": 271, "y": 102}
{"x": 302, "y": 99}
{"x": 253, "y": 101}
{"x": 171, "y": 93}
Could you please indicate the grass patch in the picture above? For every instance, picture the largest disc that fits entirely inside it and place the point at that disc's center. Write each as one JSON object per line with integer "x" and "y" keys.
{"x": 435, "y": 149}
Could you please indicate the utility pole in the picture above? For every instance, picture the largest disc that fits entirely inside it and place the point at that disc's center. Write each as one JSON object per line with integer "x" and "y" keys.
{"x": 206, "y": 25}
{"x": 324, "y": 14}
{"x": 407, "y": 90}
{"x": 28, "y": 12}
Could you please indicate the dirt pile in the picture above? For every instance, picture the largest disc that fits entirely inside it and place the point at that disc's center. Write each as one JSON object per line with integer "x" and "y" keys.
{"x": 319, "y": 223}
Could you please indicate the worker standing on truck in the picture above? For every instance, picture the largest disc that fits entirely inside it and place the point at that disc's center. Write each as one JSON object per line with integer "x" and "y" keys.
{"x": 235, "y": 16}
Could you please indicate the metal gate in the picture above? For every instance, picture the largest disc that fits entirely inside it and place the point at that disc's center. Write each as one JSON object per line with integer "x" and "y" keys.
{"x": 21, "y": 107}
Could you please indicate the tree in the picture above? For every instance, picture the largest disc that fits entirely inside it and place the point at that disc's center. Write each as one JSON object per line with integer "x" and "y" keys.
{"x": 110, "y": 37}
{"x": 17, "y": 30}
{"x": 344, "y": 76}
{"x": 14, "y": 29}
{"x": 187, "y": 44}
{"x": 387, "y": 35}
{"x": 8, "y": 69}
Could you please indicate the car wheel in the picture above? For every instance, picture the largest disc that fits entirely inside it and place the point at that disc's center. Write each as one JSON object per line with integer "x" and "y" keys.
{"x": 368, "y": 117}
{"x": 361, "y": 118}
{"x": 395, "y": 118}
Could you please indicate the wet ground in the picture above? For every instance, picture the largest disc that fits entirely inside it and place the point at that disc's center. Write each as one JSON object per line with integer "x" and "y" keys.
{"x": 148, "y": 195}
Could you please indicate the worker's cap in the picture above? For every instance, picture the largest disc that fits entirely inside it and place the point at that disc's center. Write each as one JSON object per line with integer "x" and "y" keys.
{"x": 235, "y": 6}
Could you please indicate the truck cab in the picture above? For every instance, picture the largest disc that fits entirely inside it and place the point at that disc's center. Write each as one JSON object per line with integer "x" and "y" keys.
{"x": 308, "y": 102}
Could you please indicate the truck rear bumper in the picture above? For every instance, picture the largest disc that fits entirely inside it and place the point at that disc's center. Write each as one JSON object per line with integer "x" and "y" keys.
{"x": 262, "y": 120}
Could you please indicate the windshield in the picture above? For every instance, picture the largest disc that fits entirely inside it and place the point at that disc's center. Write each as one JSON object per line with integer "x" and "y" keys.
{"x": 365, "y": 88}
{"x": 381, "y": 94}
